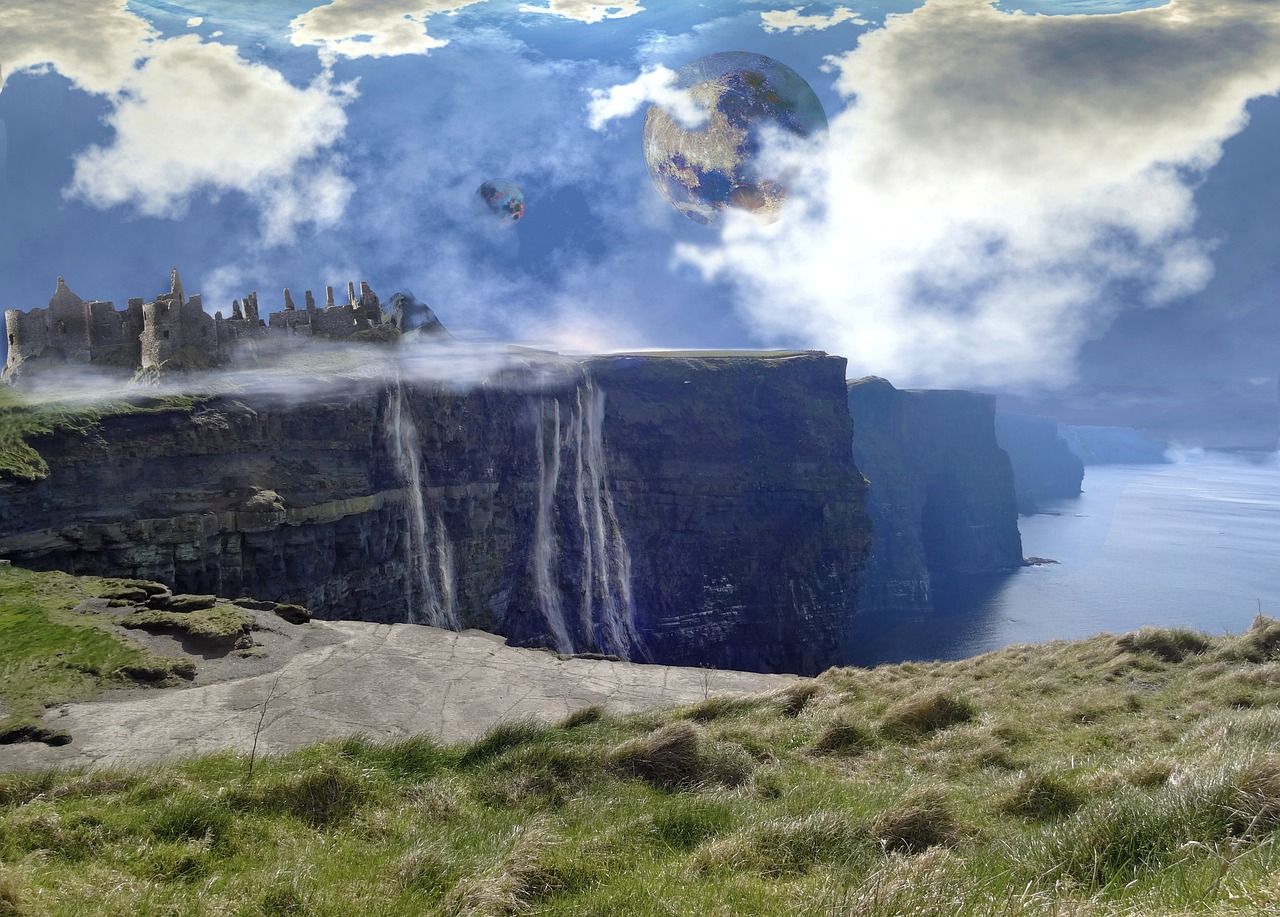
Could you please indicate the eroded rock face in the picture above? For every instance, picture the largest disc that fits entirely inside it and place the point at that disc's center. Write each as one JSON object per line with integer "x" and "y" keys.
{"x": 686, "y": 511}
{"x": 941, "y": 496}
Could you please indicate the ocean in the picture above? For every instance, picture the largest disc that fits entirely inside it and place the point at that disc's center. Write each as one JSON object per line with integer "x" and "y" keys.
{"x": 1195, "y": 544}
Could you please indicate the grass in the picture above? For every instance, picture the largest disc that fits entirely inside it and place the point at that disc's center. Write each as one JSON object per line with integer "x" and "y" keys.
{"x": 25, "y": 417}
{"x": 55, "y": 647}
{"x": 1099, "y": 778}
{"x": 222, "y": 624}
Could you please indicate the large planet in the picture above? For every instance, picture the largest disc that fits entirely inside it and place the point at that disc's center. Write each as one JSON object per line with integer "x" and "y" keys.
{"x": 501, "y": 200}
{"x": 702, "y": 171}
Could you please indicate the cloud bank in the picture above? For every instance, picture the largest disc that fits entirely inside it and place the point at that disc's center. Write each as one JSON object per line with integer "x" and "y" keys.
{"x": 587, "y": 11}
{"x": 1001, "y": 186}
{"x": 794, "y": 20}
{"x": 94, "y": 45}
{"x": 372, "y": 28}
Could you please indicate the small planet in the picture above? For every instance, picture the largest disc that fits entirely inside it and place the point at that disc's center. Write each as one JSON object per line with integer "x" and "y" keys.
{"x": 702, "y": 171}
{"x": 501, "y": 200}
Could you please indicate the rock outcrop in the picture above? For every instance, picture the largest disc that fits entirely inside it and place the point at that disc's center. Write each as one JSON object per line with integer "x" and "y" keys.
{"x": 684, "y": 510}
{"x": 941, "y": 497}
{"x": 1044, "y": 466}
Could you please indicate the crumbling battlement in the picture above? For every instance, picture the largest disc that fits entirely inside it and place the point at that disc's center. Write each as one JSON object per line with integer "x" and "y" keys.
{"x": 146, "y": 334}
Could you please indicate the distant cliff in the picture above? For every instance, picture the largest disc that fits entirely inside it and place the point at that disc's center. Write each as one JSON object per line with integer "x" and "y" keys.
{"x": 1114, "y": 446}
{"x": 688, "y": 510}
{"x": 1044, "y": 466}
{"x": 941, "y": 497}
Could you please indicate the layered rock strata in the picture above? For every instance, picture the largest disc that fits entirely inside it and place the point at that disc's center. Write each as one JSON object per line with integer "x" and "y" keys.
{"x": 682, "y": 510}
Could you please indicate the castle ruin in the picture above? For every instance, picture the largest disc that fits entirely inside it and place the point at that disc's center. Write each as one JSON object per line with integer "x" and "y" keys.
{"x": 146, "y": 334}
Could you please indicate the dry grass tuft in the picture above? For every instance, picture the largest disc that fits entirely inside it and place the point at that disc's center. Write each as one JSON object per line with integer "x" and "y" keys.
{"x": 1261, "y": 643}
{"x": 842, "y": 738}
{"x": 924, "y": 713}
{"x": 1040, "y": 796}
{"x": 669, "y": 757}
{"x": 720, "y": 705}
{"x": 428, "y": 869}
{"x": 12, "y": 899}
{"x": 1256, "y": 802}
{"x": 321, "y": 796}
{"x": 679, "y": 756}
{"x": 518, "y": 882}
{"x": 788, "y": 846}
{"x": 1169, "y": 644}
{"x": 583, "y": 716}
{"x": 793, "y": 699}
{"x": 915, "y": 826}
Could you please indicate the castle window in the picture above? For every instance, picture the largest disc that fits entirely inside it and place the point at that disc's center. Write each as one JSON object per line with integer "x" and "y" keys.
{"x": 11, "y": 341}
{"x": 166, "y": 335}
{"x": 62, "y": 327}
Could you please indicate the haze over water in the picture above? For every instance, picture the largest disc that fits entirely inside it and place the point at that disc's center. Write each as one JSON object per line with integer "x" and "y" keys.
{"x": 1193, "y": 544}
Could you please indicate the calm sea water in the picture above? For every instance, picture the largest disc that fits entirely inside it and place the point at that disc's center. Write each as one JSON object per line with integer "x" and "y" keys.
{"x": 1195, "y": 544}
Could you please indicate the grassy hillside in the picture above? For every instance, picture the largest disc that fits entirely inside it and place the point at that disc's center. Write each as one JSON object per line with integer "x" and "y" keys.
{"x": 1137, "y": 775}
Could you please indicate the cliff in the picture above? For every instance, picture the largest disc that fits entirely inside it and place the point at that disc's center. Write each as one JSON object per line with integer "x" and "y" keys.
{"x": 1114, "y": 446}
{"x": 683, "y": 510}
{"x": 941, "y": 497}
{"x": 1044, "y": 466}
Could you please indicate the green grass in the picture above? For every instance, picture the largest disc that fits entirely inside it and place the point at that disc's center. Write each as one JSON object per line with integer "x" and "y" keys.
{"x": 224, "y": 623}
{"x": 1088, "y": 779}
{"x": 24, "y": 418}
{"x": 50, "y": 652}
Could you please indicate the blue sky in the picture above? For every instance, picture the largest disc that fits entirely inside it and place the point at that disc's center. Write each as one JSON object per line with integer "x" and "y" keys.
{"x": 1072, "y": 203}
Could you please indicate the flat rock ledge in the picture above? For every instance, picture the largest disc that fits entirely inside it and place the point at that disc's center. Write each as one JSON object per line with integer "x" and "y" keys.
{"x": 387, "y": 681}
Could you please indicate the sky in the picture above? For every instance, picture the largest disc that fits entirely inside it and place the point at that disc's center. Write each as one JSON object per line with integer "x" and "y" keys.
{"x": 1072, "y": 203}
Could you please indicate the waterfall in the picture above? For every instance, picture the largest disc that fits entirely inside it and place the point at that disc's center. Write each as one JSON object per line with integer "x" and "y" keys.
{"x": 546, "y": 547}
{"x": 608, "y": 573}
{"x": 429, "y": 591}
{"x": 605, "y": 608}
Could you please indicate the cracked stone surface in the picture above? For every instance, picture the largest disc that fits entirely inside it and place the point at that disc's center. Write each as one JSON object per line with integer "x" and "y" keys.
{"x": 332, "y": 679}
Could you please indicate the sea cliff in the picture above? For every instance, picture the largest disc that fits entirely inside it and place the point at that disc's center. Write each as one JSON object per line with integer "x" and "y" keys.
{"x": 1045, "y": 468}
{"x": 681, "y": 509}
{"x": 941, "y": 497}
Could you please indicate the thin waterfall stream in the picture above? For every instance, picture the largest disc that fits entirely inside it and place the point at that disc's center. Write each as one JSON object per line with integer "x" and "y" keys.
{"x": 430, "y": 591}
{"x": 605, "y": 608}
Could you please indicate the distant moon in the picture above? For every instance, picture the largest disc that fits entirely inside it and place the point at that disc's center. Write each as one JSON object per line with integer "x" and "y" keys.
{"x": 703, "y": 171}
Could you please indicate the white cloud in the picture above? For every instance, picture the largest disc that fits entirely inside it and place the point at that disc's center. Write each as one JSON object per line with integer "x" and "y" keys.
{"x": 585, "y": 10}
{"x": 196, "y": 117}
{"x": 1001, "y": 186}
{"x": 794, "y": 20}
{"x": 195, "y": 22}
{"x": 189, "y": 117}
{"x": 92, "y": 44}
{"x": 372, "y": 28}
{"x": 654, "y": 85}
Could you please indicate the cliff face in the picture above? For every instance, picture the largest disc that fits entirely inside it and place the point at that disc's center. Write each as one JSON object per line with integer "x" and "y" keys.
{"x": 1044, "y": 466}
{"x": 941, "y": 498}
{"x": 642, "y": 506}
